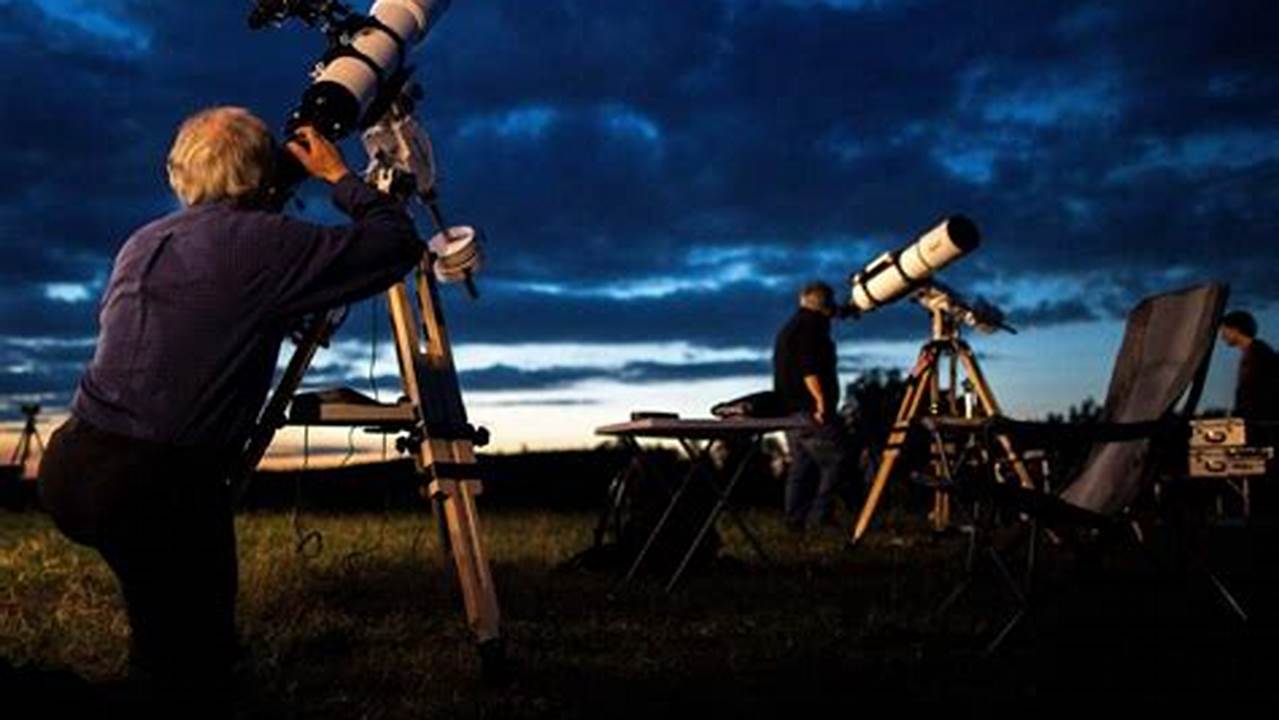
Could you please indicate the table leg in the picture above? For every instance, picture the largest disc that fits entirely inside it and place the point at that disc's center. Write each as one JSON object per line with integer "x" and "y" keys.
{"x": 661, "y": 523}
{"x": 736, "y": 519}
{"x": 714, "y": 513}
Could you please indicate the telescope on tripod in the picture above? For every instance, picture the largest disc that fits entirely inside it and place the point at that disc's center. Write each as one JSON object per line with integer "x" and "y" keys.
{"x": 908, "y": 273}
{"x": 363, "y": 83}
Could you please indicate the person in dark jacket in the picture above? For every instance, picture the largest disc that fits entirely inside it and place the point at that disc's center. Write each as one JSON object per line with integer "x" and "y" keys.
{"x": 1257, "y": 387}
{"x": 806, "y": 382}
{"x": 191, "y": 324}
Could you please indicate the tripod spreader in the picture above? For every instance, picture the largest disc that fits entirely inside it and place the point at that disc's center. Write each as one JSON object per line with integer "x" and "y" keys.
{"x": 410, "y": 442}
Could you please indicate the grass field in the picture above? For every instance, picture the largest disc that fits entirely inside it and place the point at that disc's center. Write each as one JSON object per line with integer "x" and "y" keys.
{"x": 369, "y": 625}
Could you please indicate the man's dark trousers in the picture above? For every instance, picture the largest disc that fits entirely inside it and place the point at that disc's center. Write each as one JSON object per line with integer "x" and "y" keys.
{"x": 816, "y": 468}
{"x": 161, "y": 518}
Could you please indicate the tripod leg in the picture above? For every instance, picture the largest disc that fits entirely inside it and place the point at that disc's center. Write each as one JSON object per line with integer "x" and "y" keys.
{"x": 430, "y": 382}
{"x": 991, "y": 406}
{"x": 441, "y": 522}
{"x": 908, "y": 411}
{"x": 457, "y": 498}
{"x": 272, "y": 416}
{"x": 19, "y": 456}
{"x": 942, "y": 403}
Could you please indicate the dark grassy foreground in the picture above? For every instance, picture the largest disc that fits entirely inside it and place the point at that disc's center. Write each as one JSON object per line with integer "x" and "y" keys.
{"x": 371, "y": 627}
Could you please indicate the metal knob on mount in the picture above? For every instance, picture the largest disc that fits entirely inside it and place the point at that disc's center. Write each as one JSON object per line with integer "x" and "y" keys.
{"x": 458, "y": 255}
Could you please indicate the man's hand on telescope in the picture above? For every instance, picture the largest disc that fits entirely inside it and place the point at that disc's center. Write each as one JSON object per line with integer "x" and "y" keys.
{"x": 320, "y": 157}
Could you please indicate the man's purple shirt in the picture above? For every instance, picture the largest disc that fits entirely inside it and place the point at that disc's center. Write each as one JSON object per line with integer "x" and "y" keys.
{"x": 199, "y": 302}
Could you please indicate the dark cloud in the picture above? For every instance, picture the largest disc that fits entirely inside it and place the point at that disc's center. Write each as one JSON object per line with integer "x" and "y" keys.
{"x": 1133, "y": 147}
{"x": 26, "y": 311}
{"x": 736, "y": 314}
{"x": 39, "y": 370}
{"x": 505, "y": 377}
{"x": 1051, "y": 312}
{"x": 549, "y": 402}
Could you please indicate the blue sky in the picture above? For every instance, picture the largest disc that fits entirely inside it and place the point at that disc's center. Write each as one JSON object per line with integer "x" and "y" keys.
{"x": 656, "y": 179}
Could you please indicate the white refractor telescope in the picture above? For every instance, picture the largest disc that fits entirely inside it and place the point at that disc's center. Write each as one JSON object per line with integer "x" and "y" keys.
{"x": 898, "y": 273}
{"x": 362, "y": 83}
{"x": 364, "y": 67}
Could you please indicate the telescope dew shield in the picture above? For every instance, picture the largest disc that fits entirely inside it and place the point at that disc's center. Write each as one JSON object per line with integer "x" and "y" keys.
{"x": 354, "y": 74}
{"x": 897, "y": 273}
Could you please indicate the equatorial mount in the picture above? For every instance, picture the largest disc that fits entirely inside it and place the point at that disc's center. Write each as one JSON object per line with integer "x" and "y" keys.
{"x": 951, "y": 310}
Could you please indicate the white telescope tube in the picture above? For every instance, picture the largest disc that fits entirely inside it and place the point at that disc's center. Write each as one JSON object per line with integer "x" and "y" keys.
{"x": 350, "y": 82}
{"x": 895, "y": 274}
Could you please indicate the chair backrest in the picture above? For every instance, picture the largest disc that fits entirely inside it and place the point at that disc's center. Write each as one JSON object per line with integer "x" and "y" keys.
{"x": 1164, "y": 357}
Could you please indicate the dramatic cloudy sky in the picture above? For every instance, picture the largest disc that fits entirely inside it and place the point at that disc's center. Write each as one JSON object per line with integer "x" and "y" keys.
{"x": 655, "y": 178}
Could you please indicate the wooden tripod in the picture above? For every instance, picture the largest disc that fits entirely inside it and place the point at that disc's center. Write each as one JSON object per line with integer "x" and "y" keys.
{"x": 925, "y": 396}
{"x": 432, "y": 414}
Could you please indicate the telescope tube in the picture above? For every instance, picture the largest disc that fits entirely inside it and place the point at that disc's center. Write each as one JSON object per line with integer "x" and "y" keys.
{"x": 897, "y": 273}
{"x": 355, "y": 74}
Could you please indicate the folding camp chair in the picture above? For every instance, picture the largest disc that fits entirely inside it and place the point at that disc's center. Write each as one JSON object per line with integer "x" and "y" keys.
{"x": 1162, "y": 362}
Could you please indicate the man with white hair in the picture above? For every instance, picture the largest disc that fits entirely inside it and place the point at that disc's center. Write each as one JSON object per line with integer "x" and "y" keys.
{"x": 191, "y": 323}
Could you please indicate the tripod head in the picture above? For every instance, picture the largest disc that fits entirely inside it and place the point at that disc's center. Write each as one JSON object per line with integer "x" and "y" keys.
{"x": 951, "y": 310}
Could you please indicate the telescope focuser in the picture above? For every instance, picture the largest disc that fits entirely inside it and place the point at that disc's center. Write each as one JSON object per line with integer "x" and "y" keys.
{"x": 324, "y": 14}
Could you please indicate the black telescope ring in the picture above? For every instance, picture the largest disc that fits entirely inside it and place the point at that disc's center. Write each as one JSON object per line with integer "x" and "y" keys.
{"x": 912, "y": 283}
{"x": 896, "y": 257}
{"x": 919, "y": 254}
{"x": 347, "y": 50}
{"x": 860, "y": 280}
{"x": 368, "y": 21}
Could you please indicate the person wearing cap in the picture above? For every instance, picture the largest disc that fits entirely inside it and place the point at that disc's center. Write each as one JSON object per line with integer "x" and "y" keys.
{"x": 806, "y": 382}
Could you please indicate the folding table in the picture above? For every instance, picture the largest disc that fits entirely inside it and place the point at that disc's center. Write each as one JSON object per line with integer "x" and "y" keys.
{"x": 697, "y": 437}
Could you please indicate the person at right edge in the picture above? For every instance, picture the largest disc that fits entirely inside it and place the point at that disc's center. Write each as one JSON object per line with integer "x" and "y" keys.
{"x": 806, "y": 383}
{"x": 1256, "y": 400}
{"x": 1257, "y": 389}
